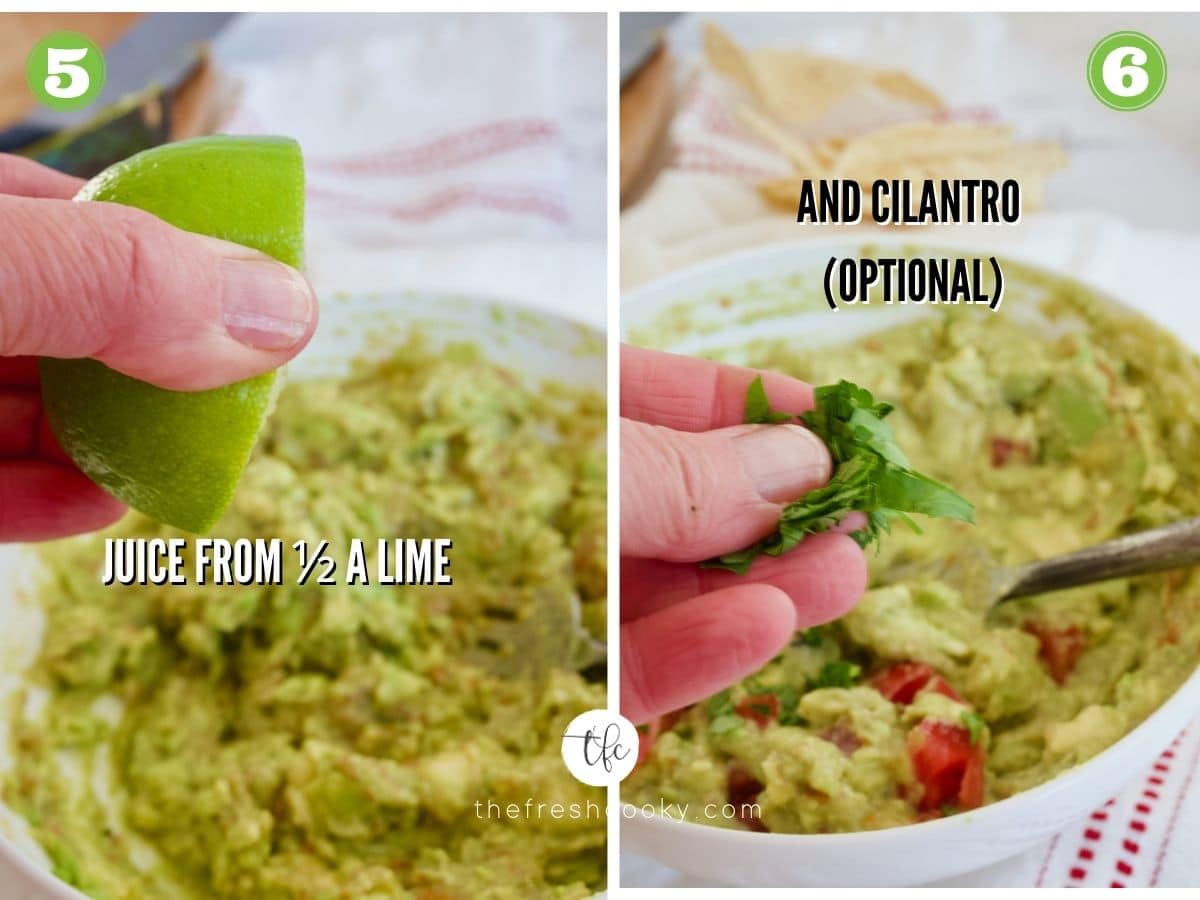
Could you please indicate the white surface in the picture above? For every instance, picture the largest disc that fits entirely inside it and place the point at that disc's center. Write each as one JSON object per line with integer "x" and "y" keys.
{"x": 444, "y": 153}
{"x": 1141, "y": 269}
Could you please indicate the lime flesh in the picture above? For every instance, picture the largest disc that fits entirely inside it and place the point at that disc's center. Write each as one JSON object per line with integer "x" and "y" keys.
{"x": 177, "y": 456}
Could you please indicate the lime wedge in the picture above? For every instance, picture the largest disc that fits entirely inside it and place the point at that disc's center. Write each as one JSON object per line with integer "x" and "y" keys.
{"x": 177, "y": 456}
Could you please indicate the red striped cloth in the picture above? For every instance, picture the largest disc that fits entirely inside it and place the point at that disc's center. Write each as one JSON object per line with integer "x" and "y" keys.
{"x": 445, "y": 153}
{"x": 1146, "y": 836}
{"x": 406, "y": 144}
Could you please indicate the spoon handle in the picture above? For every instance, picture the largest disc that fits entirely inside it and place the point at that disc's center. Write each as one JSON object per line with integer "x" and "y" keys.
{"x": 1170, "y": 547}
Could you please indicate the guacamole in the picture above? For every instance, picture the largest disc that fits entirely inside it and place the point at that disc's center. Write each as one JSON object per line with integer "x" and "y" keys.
{"x": 920, "y": 702}
{"x": 325, "y": 742}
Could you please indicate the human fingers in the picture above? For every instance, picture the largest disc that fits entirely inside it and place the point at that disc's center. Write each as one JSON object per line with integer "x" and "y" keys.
{"x": 20, "y": 417}
{"x": 689, "y": 496}
{"x": 40, "y": 500}
{"x": 26, "y": 178}
{"x": 178, "y": 310}
{"x": 824, "y": 577}
{"x": 691, "y": 650}
{"x": 691, "y": 394}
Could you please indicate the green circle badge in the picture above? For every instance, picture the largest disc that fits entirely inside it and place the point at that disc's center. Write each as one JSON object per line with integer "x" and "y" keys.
{"x": 1127, "y": 70}
{"x": 65, "y": 70}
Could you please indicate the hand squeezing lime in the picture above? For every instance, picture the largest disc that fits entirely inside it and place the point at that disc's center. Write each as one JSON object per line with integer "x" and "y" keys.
{"x": 177, "y": 456}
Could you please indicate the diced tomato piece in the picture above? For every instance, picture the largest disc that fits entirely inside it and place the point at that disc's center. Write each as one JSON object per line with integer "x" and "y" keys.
{"x": 1004, "y": 449}
{"x": 761, "y": 709}
{"x": 1060, "y": 650}
{"x": 947, "y": 766}
{"x": 743, "y": 789}
{"x": 653, "y": 729}
{"x": 901, "y": 682}
{"x": 970, "y": 792}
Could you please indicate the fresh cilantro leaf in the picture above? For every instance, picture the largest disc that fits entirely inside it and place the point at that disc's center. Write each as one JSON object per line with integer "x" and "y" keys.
{"x": 809, "y": 637}
{"x": 788, "y": 698}
{"x": 758, "y": 408}
{"x": 839, "y": 673}
{"x": 725, "y": 724}
{"x": 719, "y": 704}
{"x": 908, "y": 491}
{"x": 975, "y": 724}
{"x": 739, "y": 561}
{"x": 871, "y": 474}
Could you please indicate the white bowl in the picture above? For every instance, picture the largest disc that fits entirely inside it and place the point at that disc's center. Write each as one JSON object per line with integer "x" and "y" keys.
{"x": 537, "y": 345}
{"x": 685, "y": 313}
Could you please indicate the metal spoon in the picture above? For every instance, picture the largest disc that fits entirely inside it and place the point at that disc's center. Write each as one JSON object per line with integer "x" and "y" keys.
{"x": 1173, "y": 546}
{"x": 529, "y": 632}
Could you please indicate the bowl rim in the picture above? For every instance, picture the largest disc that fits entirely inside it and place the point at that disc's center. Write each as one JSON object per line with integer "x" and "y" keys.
{"x": 42, "y": 879}
{"x": 762, "y": 254}
{"x": 1177, "y": 704}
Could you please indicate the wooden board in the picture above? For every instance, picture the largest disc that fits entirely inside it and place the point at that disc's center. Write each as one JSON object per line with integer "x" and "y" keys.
{"x": 647, "y": 103}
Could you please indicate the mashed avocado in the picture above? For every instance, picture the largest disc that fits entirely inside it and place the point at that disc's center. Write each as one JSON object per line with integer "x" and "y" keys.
{"x": 333, "y": 742}
{"x": 919, "y": 703}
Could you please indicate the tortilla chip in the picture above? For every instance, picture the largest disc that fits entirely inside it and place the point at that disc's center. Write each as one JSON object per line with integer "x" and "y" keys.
{"x": 729, "y": 59}
{"x": 913, "y": 151}
{"x": 789, "y": 88}
{"x": 782, "y": 193}
{"x": 797, "y": 87}
{"x": 799, "y": 154}
{"x": 903, "y": 86}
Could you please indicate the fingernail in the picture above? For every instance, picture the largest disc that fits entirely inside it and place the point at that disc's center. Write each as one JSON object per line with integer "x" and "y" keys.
{"x": 267, "y": 305}
{"x": 783, "y": 461}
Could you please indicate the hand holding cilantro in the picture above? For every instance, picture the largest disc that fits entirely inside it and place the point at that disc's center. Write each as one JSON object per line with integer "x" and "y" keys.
{"x": 696, "y": 482}
{"x": 871, "y": 475}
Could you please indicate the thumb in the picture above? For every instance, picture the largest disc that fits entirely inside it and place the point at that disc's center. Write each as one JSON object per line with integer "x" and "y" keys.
{"x": 689, "y": 496}
{"x": 179, "y": 310}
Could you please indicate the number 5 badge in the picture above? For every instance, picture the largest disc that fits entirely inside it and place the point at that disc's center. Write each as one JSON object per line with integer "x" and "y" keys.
{"x": 65, "y": 70}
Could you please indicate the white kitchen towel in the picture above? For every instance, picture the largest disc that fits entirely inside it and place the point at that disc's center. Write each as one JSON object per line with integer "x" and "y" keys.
{"x": 444, "y": 153}
{"x": 705, "y": 205}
